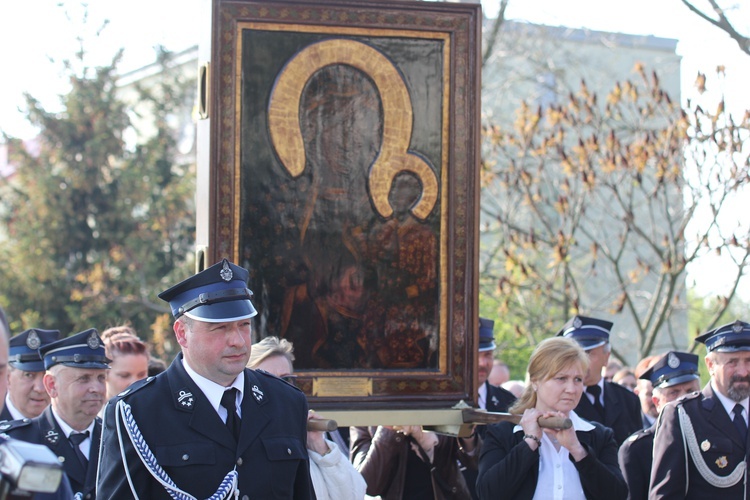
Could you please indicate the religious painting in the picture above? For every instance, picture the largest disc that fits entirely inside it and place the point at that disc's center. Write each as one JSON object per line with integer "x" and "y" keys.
{"x": 346, "y": 163}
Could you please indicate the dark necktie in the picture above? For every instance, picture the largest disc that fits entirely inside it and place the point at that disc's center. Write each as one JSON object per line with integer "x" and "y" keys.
{"x": 76, "y": 438}
{"x": 739, "y": 422}
{"x": 595, "y": 391}
{"x": 228, "y": 401}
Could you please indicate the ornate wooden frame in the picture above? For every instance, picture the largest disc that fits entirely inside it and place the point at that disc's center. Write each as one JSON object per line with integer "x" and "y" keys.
{"x": 264, "y": 54}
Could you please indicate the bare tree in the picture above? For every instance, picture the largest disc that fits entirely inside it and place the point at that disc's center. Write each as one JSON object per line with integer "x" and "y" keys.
{"x": 597, "y": 205}
{"x": 720, "y": 19}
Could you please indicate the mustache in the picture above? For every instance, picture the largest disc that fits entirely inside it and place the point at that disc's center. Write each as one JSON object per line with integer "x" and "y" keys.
{"x": 738, "y": 378}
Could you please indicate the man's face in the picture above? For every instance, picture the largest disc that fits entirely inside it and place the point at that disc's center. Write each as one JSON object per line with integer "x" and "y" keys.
{"x": 730, "y": 373}
{"x": 598, "y": 358}
{"x": 485, "y": 365}
{"x": 217, "y": 351}
{"x": 26, "y": 391}
{"x": 77, "y": 393}
{"x": 644, "y": 391}
{"x": 667, "y": 394}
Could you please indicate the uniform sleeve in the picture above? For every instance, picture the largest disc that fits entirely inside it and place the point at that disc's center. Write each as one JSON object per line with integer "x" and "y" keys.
{"x": 375, "y": 456}
{"x": 668, "y": 476}
{"x": 504, "y": 464}
{"x": 112, "y": 477}
{"x": 599, "y": 471}
{"x": 632, "y": 470}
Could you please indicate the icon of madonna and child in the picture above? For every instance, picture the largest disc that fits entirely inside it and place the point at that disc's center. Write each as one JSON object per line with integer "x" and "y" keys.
{"x": 341, "y": 229}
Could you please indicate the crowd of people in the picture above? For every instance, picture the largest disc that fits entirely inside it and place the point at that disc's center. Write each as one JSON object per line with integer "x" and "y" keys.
{"x": 225, "y": 420}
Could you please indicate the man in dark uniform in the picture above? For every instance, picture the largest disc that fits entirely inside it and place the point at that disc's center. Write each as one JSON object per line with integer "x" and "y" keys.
{"x": 490, "y": 397}
{"x": 207, "y": 425}
{"x": 27, "y": 397}
{"x": 75, "y": 378}
{"x": 673, "y": 375}
{"x": 700, "y": 446}
{"x": 605, "y": 402}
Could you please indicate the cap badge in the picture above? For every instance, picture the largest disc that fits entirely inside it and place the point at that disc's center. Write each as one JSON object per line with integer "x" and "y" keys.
{"x": 706, "y": 445}
{"x": 226, "y": 272}
{"x": 32, "y": 341}
{"x": 722, "y": 462}
{"x": 52, "y": 437}
{"x": 737, "y": 327}
{"x": 257, "y": 394}
{"x": 185, "y": 399}
{"x": 673, "y": 361}
{"x": 577, "y": 323}
{"x": 93, "y": 341}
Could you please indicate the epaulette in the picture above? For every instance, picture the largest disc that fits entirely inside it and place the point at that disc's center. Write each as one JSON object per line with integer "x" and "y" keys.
{"x": 271, "y": 375}
{"x": 638, "y": 435}
{"x": 9, "y": 425}
{"x": 140, "y": 384}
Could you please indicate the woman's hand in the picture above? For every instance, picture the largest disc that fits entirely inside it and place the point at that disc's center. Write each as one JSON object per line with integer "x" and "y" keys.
{"x": 315, "y": 439}
{"x": 567, "y": 438}
{"x": 531, "y": 430}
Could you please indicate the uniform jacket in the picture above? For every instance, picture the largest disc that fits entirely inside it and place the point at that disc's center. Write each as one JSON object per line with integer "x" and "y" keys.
{"x": 45, "y": 430}
{"x": 195, "y": 448}
{"x": 720, "y": 446}
{"x": 635, "y": 458}
{"x": 381, "y": 455}
{"x": 498, "y": 400}
{"x": 5, "y": 414}
{"x": 509, "y": 469}
{"x": 622, "y": 411}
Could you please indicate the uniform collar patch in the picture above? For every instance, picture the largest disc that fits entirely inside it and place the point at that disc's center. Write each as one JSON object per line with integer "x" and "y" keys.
{"x": 257, "y": 393}
{"x": 185, "y": 398}
{"x": 52, "y": 437}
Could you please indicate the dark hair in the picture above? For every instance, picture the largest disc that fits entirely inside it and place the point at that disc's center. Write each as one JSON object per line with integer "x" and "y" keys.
{"x": 122, "y": 340}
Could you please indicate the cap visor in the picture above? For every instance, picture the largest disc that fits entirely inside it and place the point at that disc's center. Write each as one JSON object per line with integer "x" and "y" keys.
{"x": 221, "y": 312}
{"x": 29, "y": 366}
{"x": 678, "y": 380}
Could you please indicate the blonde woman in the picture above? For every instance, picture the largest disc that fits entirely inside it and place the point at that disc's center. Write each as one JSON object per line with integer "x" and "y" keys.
{"x": 333, "y": 476}
{"x": 525, "y": 461}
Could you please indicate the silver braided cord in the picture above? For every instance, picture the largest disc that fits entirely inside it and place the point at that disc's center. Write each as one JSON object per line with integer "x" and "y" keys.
{"x": 692, "y": 445}
{"x": 227, "y": 488}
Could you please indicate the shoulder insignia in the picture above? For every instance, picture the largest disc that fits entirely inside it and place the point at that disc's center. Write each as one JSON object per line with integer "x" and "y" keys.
{"x": 9, "y": 425}
{"x": 136, "y": 387}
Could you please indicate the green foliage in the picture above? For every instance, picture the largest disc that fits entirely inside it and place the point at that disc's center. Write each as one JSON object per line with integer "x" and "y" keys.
{"x": 95, "y": 228}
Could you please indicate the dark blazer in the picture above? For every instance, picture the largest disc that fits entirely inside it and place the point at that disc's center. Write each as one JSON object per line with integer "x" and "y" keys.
{"x": 635, "y": 458}
{"x": 45, "y": 430}
{"x": 509, "y": 469}
{"x": 195, "y": 448}
{"x": 671, "y": 477}
{"x": 622, "y": 411}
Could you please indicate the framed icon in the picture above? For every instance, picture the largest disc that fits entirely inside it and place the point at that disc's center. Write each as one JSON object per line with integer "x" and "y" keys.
{"x": 343, "y": 171}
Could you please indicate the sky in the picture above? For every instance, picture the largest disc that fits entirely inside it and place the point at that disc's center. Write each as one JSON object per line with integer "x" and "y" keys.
{"x": 36, "y": 35}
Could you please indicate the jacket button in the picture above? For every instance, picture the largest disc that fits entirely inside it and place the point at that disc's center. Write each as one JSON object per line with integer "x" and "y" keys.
{"x": 245, "y": 497}
{"x": 239, "y": 461}
{"x": 288, "y": 451}
{"x": 185, "y": 457}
